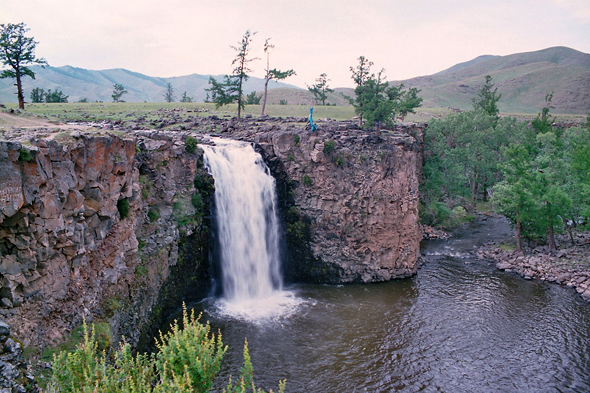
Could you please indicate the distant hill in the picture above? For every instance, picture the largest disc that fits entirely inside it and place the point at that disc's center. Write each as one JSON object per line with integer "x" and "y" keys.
{"x": 80, "y": 83}
{"x": 523, "y": 79}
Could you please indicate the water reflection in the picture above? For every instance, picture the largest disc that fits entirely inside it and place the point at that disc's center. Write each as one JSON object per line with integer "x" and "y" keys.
{"x": 460, "y": 325}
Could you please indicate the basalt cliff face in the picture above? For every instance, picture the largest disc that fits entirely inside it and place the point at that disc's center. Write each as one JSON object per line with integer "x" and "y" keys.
{"x": 350, "y": 199}
{"x": 89, "y": 228}
{"x": 116, "y": 227}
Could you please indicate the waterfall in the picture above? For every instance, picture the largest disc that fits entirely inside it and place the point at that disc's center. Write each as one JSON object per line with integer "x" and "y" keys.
{"x": 247, "y": 228}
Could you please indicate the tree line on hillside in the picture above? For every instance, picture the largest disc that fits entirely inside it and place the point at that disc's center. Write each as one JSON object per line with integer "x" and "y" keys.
{"x": 537, "y": 174}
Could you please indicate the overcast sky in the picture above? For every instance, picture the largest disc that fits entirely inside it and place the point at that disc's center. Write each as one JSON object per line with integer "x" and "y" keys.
{"x": 407, "y": 38}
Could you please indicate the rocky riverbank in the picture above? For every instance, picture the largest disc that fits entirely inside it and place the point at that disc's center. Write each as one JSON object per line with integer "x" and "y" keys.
{"x": 569, "y": 266}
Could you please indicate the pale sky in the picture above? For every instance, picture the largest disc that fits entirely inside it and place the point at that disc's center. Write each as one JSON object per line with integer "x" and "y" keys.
{"x": 408, "y": 38}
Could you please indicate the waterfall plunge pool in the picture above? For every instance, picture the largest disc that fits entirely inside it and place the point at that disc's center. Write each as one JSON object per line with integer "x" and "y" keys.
{"x": 459, "y": 325}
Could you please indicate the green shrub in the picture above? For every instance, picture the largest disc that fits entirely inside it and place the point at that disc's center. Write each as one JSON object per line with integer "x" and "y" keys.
{"x": 191, "y": 144}
{"x": 102, "y": 338}
{"x": 141, "y": 270}
{"x": 197, "y": 201}
{"x": 435, "y": 213}
{"x": 460, "y": 215}
{"x": 296, "y": 139}
{"x": 123, "y": 208}
{"x": 188, "y": 360}
{"x": 153, "y": 214}
{"x": 111, "y": 305}
{"x": 25, "y": 155}
{"x": 146, "y": 186}
{"x": 339, "y": 160}
{"x": 140, "y": 243}
{"x": 179, "y": 356}
{"x": 329, "y": 146}
{"x": 306, "y": 180}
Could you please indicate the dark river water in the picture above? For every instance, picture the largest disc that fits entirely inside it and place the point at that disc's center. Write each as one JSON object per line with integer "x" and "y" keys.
{"x": 459, "y": 325}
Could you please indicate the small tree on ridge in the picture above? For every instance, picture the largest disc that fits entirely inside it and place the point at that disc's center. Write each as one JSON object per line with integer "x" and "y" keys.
{"x": 169, "y": 94}
{"x": 487, "y": 99}
{"x": 320, "y": 89}
{"x": 232, "y": 87}
{"x": 118, "y": 91}
{"x": 271, "y": 74}
{"x": 16, "y": 52}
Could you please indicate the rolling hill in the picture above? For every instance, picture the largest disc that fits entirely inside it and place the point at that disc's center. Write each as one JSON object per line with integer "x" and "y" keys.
{"x": 523, "y": 79}
{"x": 80, "y": 83}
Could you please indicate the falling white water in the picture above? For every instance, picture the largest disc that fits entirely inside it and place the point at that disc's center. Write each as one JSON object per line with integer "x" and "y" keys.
{"x": 247, "y": 229}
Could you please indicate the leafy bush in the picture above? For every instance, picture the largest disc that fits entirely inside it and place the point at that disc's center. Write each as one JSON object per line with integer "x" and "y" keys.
{"x": 197, "y": 201}
{"x": 191, "y": 144}
{"x": 25, "y": 155}
{"x": 435, "y": 213}
{"x": 188, "y": 360}
{"x": 306, "y": 180}
{"x": 296, "y": 139}
{"x": 123, "y": 208}
{"x": 329, "y": 146}
{"x": 153, "y": 214}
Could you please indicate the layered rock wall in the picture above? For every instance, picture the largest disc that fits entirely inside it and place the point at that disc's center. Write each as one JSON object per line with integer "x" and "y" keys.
{"x": 91, "y": 226}
{"x": 352, "y": 200}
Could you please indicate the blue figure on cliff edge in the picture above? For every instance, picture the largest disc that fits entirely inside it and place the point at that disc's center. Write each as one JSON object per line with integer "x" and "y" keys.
{"x": 313, "y": 126}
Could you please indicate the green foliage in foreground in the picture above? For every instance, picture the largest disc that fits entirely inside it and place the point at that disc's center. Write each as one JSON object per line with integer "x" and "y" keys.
{"x": 188, "y": 360}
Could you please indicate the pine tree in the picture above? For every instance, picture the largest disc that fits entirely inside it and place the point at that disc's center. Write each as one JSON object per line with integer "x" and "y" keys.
{"x": 231, "y": 89}
{"x": 169, "y": 94}
{"x": 16, "y": 52}
{"x": 321, "y": 89}
{"x": 360, "y": 75}
{"x": 487, "y": 99}
{"x": 118, "y": 91}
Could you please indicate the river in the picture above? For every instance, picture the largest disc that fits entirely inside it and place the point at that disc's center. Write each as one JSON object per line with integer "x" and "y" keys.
{"x": 459, "y": 325}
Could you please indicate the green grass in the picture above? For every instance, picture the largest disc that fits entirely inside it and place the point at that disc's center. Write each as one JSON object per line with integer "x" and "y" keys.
{"x": 154, "y": 111}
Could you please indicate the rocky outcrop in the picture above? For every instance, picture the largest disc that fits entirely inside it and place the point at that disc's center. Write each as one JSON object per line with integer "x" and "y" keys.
{"x": 350, "y": 200}
{"x": 15, "y": 373}
{"x": 91, "y": 227}
{"x": 61, "y": 236}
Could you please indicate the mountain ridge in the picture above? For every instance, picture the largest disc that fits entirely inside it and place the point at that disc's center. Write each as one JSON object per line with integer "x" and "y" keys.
{"x": 523, "y": 79}
{"x": 97, "y": 85}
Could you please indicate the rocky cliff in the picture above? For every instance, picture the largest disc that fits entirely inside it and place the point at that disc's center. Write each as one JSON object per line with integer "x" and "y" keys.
{"x": 114, "y": 226}
{"x": 91, "y": 227}
{"x": 350, "y": 199}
